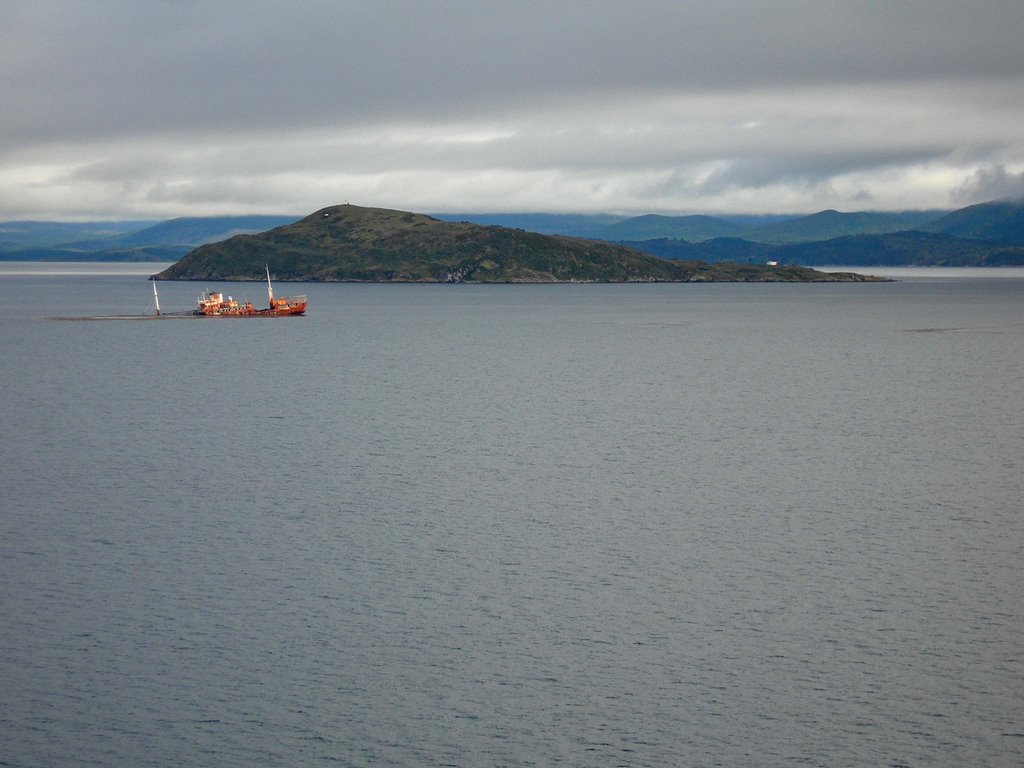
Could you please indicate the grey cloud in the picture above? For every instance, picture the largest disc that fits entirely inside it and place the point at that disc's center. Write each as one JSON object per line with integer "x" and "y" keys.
{"x": 148, "y": 104}
{"x": 990, "y": 183}
{"x": 90, "y": 68}
{"x": 803, "y": 169}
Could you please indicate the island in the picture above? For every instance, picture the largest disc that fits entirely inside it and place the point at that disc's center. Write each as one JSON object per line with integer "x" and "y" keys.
{"x": 349, "y": 243}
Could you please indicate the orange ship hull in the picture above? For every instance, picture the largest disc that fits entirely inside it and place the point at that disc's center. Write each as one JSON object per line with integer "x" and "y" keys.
{"x": 217, "y": 305}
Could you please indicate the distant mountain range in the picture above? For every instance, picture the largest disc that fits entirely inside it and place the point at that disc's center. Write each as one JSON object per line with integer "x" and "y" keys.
{"x": 909, "y": 248}
{"x": 124, "y": 241}
{"x": 986, "y": 234}
{"x": 759, "y": 229}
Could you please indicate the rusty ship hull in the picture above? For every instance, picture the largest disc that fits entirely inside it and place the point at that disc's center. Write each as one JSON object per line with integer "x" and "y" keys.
{"x": 218, "y": 305}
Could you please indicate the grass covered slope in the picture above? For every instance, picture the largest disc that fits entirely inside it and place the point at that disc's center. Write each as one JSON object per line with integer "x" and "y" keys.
{"x": 351, "y": 243}
{"x": 1000, "y": 220}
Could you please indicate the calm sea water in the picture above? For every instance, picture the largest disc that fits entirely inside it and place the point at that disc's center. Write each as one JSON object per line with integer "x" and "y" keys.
{"x": 639, "y": 525}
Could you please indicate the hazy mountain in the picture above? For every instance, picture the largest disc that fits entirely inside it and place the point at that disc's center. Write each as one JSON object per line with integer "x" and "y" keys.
{"x": 892, "y": 249}
{"x": 45, "y": 234}
{"x": 615, "y": 228}
{"x": 1002, "y": 221}
{"x": 652, "y": 226}
{"x": 714, "y": 251}
{"x": 903, "y": 248}
{"x": 754, "y": 220}
{"x": 143, "y": 253}
{"x": 825, "y": 225}
{"x": 917, "y": 219}
{"x": 190, "y": 231}
{"x": 572, "y": 225}
{"x": 160, "y": 241}
{"x": 347, "y": 242}
{"x": 773, "y": 228}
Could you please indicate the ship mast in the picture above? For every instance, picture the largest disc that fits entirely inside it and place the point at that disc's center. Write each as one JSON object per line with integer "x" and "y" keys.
{"x": 156, "y": 298}
{"x": 270, "y": 288}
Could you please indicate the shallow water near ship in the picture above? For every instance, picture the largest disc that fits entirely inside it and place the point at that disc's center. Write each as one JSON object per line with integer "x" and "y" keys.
{"x": 590, "y": 525}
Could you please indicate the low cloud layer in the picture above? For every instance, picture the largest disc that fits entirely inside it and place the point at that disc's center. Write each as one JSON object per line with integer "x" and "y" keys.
{"x": 153, "y": 109}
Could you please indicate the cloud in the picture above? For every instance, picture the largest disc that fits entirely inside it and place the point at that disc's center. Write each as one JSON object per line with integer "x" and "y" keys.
{"x": 150, "y": 108}
{"x": 991, "y": 183}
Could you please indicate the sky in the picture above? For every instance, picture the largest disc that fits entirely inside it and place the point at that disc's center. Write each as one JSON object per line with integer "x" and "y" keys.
{"x": 141, "y": 109}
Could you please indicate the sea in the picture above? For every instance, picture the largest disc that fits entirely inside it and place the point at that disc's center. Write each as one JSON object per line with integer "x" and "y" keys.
{"x": 513, "y": 525}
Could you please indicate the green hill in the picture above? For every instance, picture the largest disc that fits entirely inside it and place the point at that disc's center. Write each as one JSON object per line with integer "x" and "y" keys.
{"x": 1003, "y": 221}
{"x": 715, "y": 251}
{"x": 826, "y": 225}
{"x": 652, "y": 226}
{"x": 903, "y": 248}
{"x": 910, "y": 248}
{"x": 350, "y": 243}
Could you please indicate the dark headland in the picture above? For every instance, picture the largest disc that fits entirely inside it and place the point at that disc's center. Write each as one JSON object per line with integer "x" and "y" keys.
{"x": 351, "y": 243}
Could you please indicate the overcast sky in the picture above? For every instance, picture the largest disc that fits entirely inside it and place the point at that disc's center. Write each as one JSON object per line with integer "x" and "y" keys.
{"x": 162, "y": 108}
